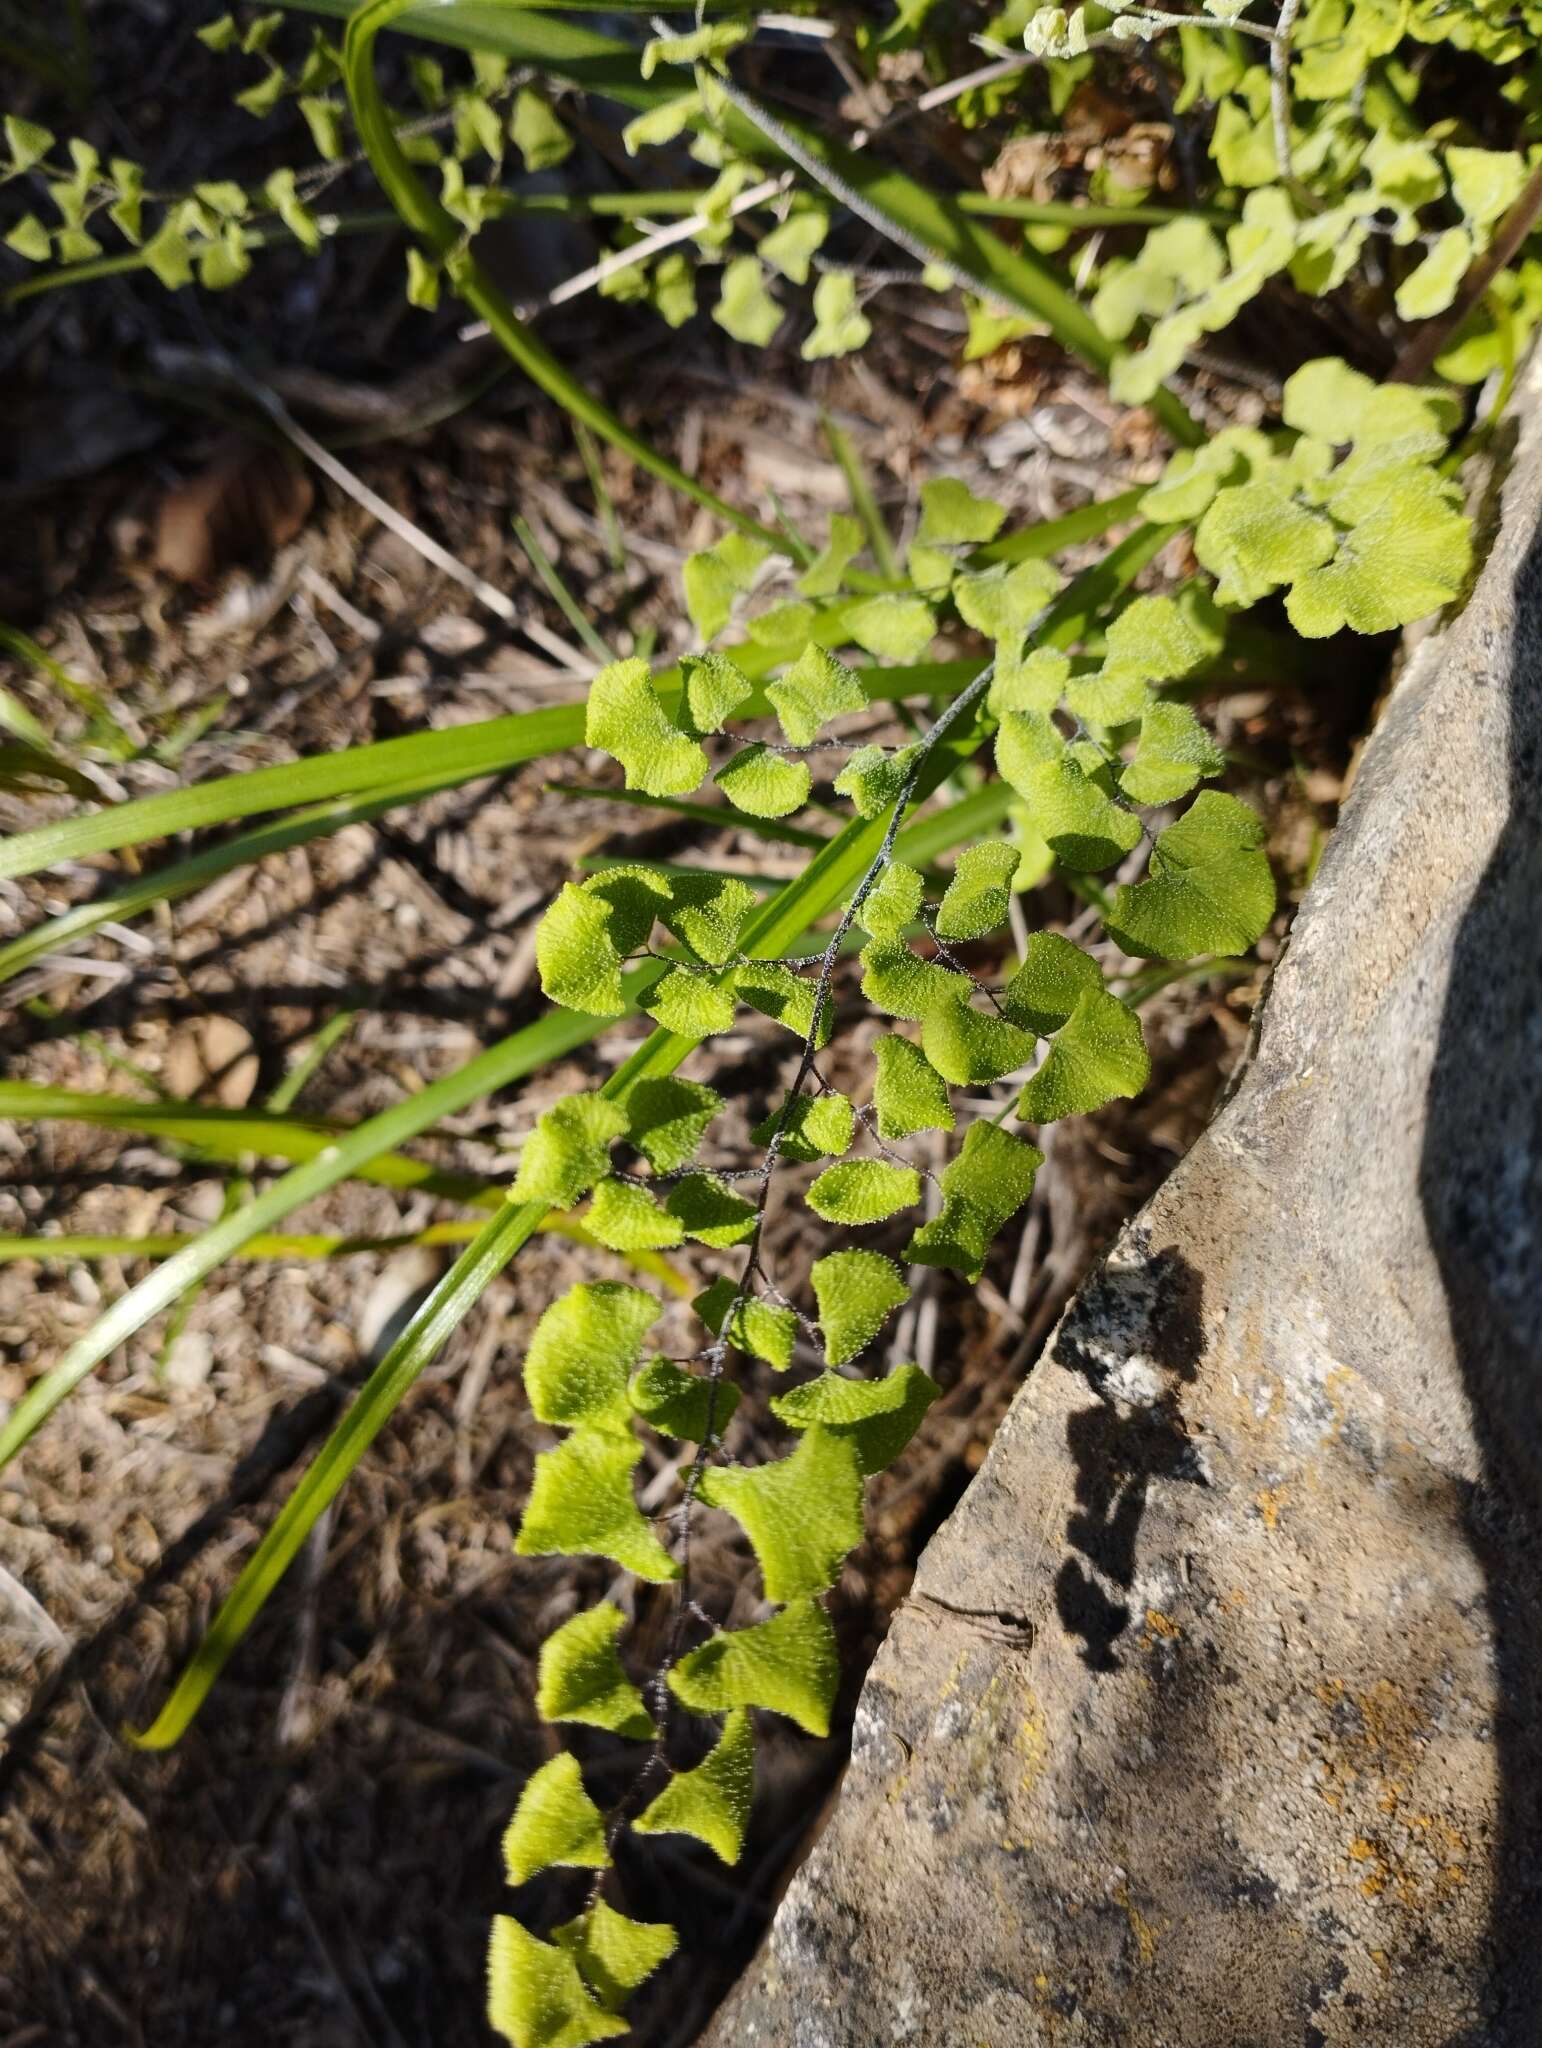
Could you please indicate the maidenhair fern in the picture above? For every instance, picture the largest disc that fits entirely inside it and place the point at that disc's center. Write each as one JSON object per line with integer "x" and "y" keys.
{"x": 1107, "y": 765}
{"x": 1324, "y": 178}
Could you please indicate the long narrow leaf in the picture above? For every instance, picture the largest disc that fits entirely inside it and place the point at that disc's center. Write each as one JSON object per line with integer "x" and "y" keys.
{"x": 446, "y": 1307}
{"x": 323, "y": 1245}
{"x": 234, "y": 1135}
{"x": 180, "y": 878}
{"x": 417, "y": 763}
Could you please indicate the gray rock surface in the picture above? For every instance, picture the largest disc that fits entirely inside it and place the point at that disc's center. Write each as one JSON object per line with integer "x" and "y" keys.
{"x": 1213, "y": 1717}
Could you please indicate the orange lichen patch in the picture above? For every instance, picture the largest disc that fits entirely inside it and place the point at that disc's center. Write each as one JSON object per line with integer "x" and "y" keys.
{"x": 1333, "y": 1387}
{"x": 1145, "y": 1934}
{"x": 1162, "y": 1624}
{"x": 1394, "y": 1727}
{"x": 1031, "y": 1741}
{"x": 1269, "y": 1503}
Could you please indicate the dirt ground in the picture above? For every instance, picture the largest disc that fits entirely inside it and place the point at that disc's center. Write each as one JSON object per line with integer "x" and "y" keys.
{"x": 317, "y": 1862}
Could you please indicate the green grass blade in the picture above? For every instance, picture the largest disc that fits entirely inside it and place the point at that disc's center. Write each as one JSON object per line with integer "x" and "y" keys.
{"x": 378, "y": 1399}
{"x": 558, "y": 591}
{"x": 180, "y": 878}
{"x": 443, "y": 759}
{"x": 1049, "y": 536}
{"x": 379, "y": 772}
{"x": 721, "y": 817}
{"x": 310, "y": 1062}
{"x": 524, "y": 35}
{"x": 80, "y": 694}
{"x": 233, "y": 1135}
{"x": 322, "y": 1245}
{"x": 863, "y": 503}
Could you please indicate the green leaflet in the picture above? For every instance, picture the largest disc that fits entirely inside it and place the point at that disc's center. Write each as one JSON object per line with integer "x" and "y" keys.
{"x": 1209, "y": 890}
{"x": 689, "y": 1004}
{"x": 1029, "y": 682}
{"x": 895, "y": 627}
{"x": 788, "y": 1665}
{"x": 708, "y": 913}
{"x": 874, "y": 778}
{"x": 683, "y": 1404}
{"x": 1068, "y": 792}
{"x": 575, "y": 956}
{"x": 1407, "y": 554}
{"x": 895, "y": 980}
{"x": 746, "y": 310}
{"x": 713, "y": 1801}
{"x": 1097, "y": 1053}
{"x": 1002, "y": 601}
{"x": 764, "y": 784}
{"x": 825, "y": 574}
{"x": 1052, "y": 980}
{"x": 856, "y": 1293}
{"x": 710, "y": 1211}
{"x": 1174, "y": 753}
{"x": 982, "y": 1187}
{"x": 555, "y": 1822}
{"x": 971, "y": 1047}
{"x": 615, "y": 1954}
{"x": 802, "y": 1513}
{"x": 774, "y": 990}
{"x": 1155, "y": 639}
{"x": 951, "y": 514}
{"x": 535, "y": 1996}
{"x": 581, "y": 1504}
{"x": 637, "y": 897}
{"x": 879, "y": 1417}
{"x": 908, "y": 1092}
{"x": 1257, "y": 536}
{"x": 719, "y": 574}
{"x": 840, "y": 325}
{"x": 1431, "y": 286}
{"x": 536, "y": 133}
{"x": 626, "y": 1218}
{"x": 568, "y": 1151}
{"x": 863, "y": 1191}
{"x": 791, "y": 247}
{"x": 580, "y": 1676}
{"x": 582, "y": 1351}
{"x": 812, "y": 1126}
{"x": 814, "y": 690}
{"x": 893, "y": 902}
{"x": 762, "y": 1327}
{"x": 711, "y": 688}
{"x": 625, "y": 718}
{"x": 701, "y": 45}
{"x": 979, "y": 893}
{"x": 666, "y": 1118}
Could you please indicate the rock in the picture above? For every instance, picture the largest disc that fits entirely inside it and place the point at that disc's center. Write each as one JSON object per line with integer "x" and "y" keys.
{"x": 213, "y": 1055}
{"x": 1214, "y": 1717}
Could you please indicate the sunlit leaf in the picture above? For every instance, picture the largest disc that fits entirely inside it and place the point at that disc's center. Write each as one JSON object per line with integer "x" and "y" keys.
{"x": 713, "y": 1801}
{"x": 580, "y": 1676}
